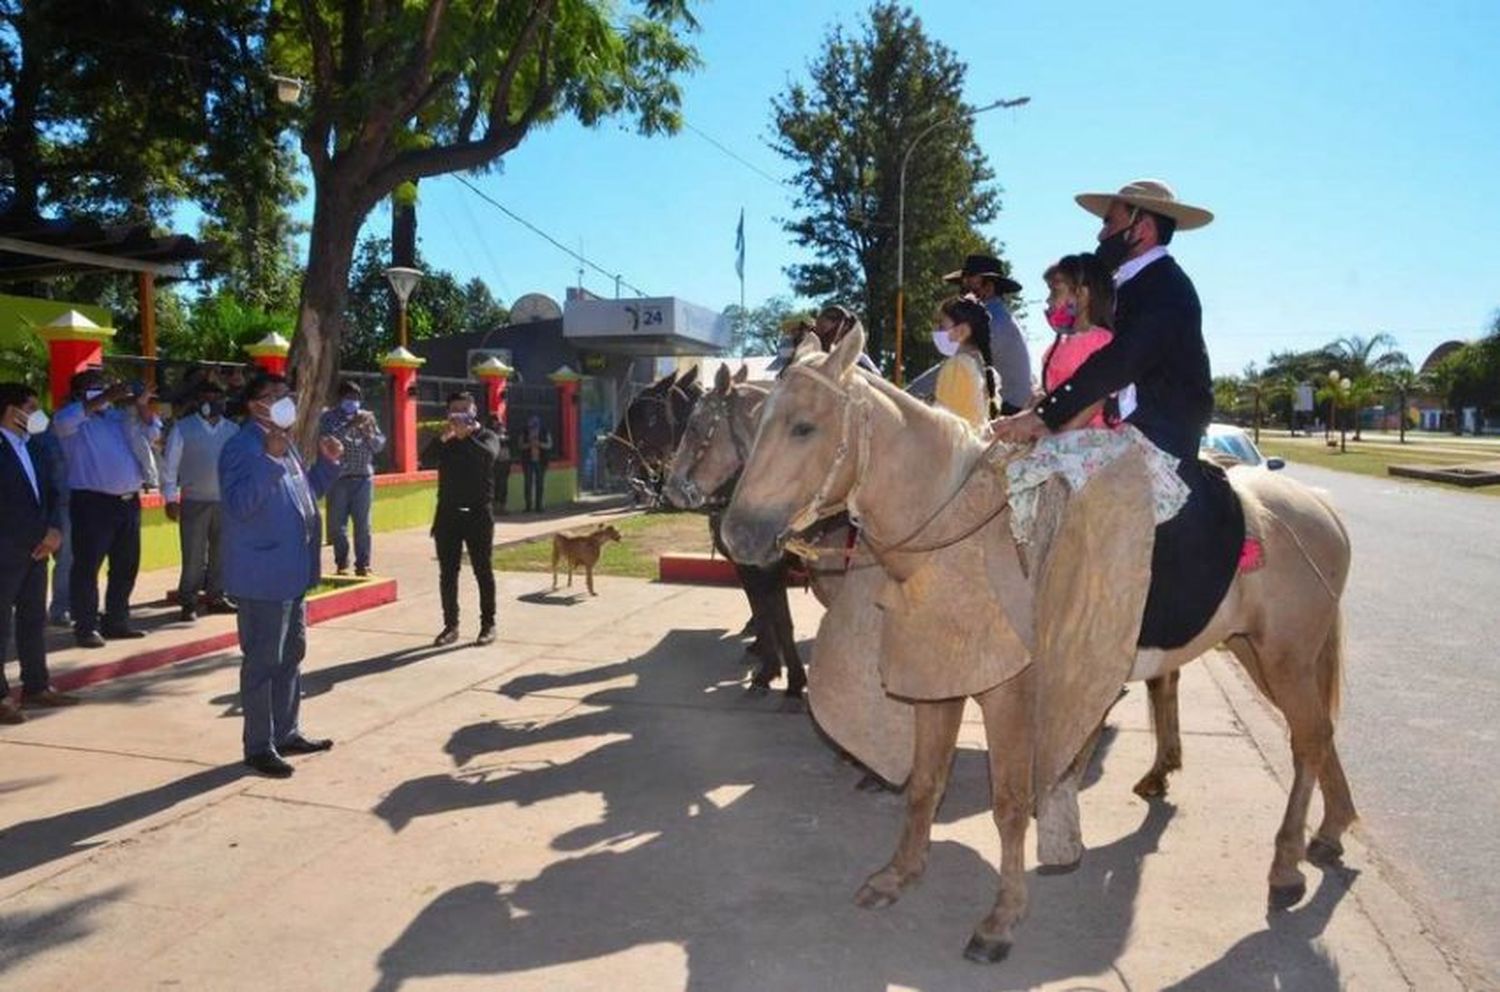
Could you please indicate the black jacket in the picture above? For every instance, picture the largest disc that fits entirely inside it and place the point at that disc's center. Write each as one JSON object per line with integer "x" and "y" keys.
{"x": 1158, "y": 345}
{"x": 466, "y": 471}
{"x": 26, "y": 517}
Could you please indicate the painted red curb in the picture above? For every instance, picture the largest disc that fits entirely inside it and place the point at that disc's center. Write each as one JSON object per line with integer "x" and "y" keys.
{"x": 699, "y": 570}
{"x": 329, "y": 606}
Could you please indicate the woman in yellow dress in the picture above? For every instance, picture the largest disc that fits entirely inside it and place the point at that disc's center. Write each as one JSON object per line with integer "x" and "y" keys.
{"x": 965, "y": 382}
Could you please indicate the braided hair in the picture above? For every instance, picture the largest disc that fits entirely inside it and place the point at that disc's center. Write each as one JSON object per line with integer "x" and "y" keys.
{"x": 967, "y": 310}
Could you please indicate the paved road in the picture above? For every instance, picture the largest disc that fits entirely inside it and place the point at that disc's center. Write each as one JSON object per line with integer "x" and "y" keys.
{"x": 1421, "y": 719}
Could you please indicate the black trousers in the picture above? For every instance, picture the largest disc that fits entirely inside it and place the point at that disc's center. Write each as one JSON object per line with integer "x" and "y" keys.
{"x": 108, "y": 528}
{"x": 453, "y": 531}
{"x": 23, "y": 609}
{"x": 533, "y": 481}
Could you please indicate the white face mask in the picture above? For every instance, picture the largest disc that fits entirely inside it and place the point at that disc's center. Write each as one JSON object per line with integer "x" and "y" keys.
{"x": 90, "y": 395}
{"x": 36, "y": 422}
{"x": 946, "y": 346}
{"x": 283, "y": 412}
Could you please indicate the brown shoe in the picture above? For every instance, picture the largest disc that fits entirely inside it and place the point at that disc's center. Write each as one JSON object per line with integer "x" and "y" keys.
{"x": 10, "y": 713}
{"x": 49, "y": 699}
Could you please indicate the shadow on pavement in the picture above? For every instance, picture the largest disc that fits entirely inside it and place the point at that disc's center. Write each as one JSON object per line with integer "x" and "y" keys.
{"x": 36, "y": 842}
{"x": 25, "y": 935}
{"x": 736, "y": 835}
{"x": 324, "y": 680}
{"x": 1286, "y": 954}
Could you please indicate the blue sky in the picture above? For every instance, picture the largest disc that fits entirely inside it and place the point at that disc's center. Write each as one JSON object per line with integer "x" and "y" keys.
{"x": 1350, "y": 152}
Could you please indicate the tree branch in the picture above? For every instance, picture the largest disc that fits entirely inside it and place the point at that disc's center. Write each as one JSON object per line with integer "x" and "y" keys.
{"x": 315, "y": 138}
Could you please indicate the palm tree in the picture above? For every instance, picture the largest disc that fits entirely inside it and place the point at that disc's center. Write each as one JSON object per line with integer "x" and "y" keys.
{"x": 1404, "y": 380}
{"x": 1356, "y": 360}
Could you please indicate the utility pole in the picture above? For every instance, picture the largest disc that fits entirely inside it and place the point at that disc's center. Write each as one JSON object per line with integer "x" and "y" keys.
{"x": 899, "y": 370}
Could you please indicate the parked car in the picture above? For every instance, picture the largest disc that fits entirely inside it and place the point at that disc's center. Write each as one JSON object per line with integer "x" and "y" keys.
{"x": 1233, "y": 442}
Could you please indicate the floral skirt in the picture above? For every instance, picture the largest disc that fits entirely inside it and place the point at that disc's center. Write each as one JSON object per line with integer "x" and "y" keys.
{"x": 1077, "y": 456}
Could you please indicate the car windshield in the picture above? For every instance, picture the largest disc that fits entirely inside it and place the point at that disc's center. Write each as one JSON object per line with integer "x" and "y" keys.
{"x": 1236, "y": 446}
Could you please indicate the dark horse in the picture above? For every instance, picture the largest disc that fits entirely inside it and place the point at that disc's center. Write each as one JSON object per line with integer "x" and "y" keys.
{"x": 642, "y": 447}
{"x": 643, "y": 441}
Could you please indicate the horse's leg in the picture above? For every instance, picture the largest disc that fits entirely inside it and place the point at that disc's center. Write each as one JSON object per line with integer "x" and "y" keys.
{"x": 936, "y": 740}
{"x": 1163, "y": 694}
{"x": 1059, "y": 831}
{"x": 780, "y": 609}
{"x": 1008, "y": 734}
{"x": 1327, "y": 845}
{"x": 1291, "y": 681}
{"x": 765, "y": 647}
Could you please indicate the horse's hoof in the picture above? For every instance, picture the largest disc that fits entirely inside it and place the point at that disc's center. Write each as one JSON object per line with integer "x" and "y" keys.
{"x": 869, "y": 897}
{"x": 1153, "y": 786}
{"x": 985, "y": 950}
{"x": 1065, "y": 869}
{"x": 1284, "y": 897}
{"x": 1325, "y": 852}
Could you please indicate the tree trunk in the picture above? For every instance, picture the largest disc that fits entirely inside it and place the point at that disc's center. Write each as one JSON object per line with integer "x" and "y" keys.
{"x": 325, "y": 292}
{"x": 23, "y": 146}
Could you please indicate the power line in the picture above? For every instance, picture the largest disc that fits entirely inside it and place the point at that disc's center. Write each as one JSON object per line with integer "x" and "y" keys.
{"x": 579, "y": 256}
{"x": 782, "y": 183}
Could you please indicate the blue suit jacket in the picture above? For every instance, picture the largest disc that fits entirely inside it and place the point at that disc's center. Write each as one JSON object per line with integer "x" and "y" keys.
{"x": 27, "y": 517}
{"x": 271, "y": 551}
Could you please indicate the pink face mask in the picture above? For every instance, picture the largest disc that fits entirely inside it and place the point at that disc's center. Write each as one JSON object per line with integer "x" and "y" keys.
{"x": 1062, "y": 316}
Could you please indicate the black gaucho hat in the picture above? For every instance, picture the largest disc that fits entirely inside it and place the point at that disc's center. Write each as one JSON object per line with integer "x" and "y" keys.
{"x": 989, "y": 268}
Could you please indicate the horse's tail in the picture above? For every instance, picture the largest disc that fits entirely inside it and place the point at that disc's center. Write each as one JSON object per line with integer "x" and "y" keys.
{"x": 1331, "y": 666}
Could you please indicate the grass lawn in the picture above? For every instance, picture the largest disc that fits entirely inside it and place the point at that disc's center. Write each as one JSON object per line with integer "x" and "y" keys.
{"x": 643, "y": 538}
{"x": 1371, "y": 461}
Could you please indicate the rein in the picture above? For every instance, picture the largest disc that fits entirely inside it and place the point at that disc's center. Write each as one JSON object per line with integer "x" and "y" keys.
{"x": 819, "y": 508}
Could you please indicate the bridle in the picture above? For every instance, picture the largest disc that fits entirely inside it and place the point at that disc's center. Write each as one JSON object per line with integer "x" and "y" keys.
{"x": 651, "y": 465}
{"x": 723, "y": 412}
{"x": 820, "y": 507}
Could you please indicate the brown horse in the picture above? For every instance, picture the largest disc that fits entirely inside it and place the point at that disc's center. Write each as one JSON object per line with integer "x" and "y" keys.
{"x": 831, "y": 436}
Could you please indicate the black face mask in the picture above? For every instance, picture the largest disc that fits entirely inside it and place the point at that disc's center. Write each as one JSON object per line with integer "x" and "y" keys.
{"x": 1113, "y": 250}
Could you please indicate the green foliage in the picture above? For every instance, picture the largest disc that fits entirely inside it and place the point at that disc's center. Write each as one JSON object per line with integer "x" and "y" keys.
{"x": 845, "y": 130}
{"x": 220, "y": 326}
{"x": 439, "y": 307}
{"x": 25, "y": 360}
{"x": 756, "y": 331}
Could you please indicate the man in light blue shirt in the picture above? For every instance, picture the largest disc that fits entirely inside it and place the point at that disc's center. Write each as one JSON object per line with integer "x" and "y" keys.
{"x": 104, "y": 476}
{"x": 190, "y": 473}
{"x": 984, "y": 277}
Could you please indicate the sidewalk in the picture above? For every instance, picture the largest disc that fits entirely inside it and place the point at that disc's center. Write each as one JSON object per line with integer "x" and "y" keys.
{"x": 595, "y": 802}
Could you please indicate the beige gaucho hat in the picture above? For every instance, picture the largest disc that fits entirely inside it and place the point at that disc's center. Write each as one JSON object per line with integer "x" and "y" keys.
{"x": 1151, "y": 195}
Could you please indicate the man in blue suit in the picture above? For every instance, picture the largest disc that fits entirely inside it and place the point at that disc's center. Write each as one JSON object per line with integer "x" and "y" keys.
{"x": 271, "y": 539}
{"x": 31, "y": 506}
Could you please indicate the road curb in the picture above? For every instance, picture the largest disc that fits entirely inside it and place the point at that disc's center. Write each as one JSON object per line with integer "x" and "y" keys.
{"x": 328, "y": 606}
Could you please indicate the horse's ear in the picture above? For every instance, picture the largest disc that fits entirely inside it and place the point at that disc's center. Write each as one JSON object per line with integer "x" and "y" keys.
{"x": 743, "y": 373}
{"x": 722, "y": 380}
{"x": 846, "y": 353}
{"x": 688, "y": 378}
{"x": 660, "y": 386}
{"x": 809, "y": 345}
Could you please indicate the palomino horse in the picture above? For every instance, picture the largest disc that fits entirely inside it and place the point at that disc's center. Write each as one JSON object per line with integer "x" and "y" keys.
{"x": 714, "y": 444}
{"x": 831, "y": 436}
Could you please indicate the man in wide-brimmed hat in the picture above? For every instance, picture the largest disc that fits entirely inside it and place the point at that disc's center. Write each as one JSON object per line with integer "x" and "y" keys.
{"x": 1158, "y": 348}
{"x": 984, "y": 277}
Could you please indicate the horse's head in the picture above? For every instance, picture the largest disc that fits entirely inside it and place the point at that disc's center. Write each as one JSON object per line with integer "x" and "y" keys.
{"x": 715, "y": 442}
{"x": 647, "y": 434}
{"x": 802, "y": 464}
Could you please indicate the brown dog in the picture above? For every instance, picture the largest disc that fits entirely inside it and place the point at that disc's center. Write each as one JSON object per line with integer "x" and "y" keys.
{"x": 580, "y": 549}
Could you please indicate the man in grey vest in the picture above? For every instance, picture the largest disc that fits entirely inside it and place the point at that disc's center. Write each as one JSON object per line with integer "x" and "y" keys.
{"x": 984, "y": 277}
{"x": 190, "y": 488}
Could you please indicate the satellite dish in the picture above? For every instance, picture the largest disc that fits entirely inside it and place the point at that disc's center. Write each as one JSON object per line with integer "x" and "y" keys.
{"x": 534, "y": 307}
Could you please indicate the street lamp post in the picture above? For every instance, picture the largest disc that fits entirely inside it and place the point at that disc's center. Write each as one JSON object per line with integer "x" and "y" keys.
{"x": 1344, "y": 387}
{"x": 1333, "y": 397}
{"x": 901, "y": 218}
{"x": 403, "y": 280}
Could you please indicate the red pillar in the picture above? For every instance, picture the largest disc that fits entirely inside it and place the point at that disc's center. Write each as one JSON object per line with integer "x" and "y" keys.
{"x": 270, "y": 353}
{"x": 496, "y": 375}
{"x": 402, "y": 366}
{"x": 74, "y": 343}
{"x": 567, "y": 382}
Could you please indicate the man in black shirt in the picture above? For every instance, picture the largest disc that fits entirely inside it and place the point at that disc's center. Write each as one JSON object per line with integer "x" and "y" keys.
{"x": 465, "y": 456}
